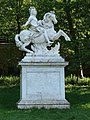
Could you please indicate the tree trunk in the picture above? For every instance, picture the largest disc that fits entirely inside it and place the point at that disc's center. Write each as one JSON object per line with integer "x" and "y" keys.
{"x": 81, "y": 71}
{"x": 18, "y": 23}
{"x": 69, "y": 19}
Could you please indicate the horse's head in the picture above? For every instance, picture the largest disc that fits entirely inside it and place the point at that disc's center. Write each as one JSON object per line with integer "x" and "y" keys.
{"x": 50, "y": 16}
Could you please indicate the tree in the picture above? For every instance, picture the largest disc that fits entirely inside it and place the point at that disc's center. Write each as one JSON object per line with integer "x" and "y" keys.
{"x": 10, "y": 14}
{"x": 73, "y": 17}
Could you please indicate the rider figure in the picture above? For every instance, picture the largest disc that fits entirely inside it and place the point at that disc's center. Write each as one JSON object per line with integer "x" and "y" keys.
{"x": 35, "y": 24}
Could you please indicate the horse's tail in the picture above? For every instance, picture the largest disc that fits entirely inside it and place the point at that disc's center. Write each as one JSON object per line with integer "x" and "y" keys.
{"x": 17, "y": 41}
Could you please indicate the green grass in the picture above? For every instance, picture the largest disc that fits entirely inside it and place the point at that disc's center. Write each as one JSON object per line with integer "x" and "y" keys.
{"x": 79, "y": 97}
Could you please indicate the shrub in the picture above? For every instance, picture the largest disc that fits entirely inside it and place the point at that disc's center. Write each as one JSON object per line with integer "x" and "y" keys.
{"x": 9, "y": 80}
{"x": 84, "y": 81}
{"x": 71, "y": 80}
{"x": 74, "y": 80}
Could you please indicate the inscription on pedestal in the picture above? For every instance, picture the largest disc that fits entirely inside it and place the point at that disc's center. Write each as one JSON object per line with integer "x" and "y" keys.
{"x": 43, "y": 85}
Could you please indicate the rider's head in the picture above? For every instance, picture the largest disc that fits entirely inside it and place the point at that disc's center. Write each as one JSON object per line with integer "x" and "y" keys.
{"x": 32, "y": 11}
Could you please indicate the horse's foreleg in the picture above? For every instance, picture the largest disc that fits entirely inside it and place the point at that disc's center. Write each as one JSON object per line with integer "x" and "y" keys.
{"x": 59, "y": 34}
{"x": 64, "y": 35}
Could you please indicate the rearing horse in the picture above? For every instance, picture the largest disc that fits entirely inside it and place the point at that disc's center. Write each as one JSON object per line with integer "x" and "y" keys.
{"x": 24, "y": 38}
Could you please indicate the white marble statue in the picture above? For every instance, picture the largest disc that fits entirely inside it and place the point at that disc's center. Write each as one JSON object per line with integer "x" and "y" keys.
{"x": 41, "y": 33}
{"x": 42, "y": 70}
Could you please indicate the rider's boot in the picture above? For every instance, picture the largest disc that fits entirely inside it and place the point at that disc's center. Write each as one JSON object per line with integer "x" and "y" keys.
{"x": 46, "y": 37}
{"x": 49, "y": 42}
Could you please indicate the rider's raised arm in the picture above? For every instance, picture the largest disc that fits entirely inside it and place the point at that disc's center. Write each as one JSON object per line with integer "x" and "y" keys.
{"x": 40, "y": 23}
{"x": 28, "y": 22}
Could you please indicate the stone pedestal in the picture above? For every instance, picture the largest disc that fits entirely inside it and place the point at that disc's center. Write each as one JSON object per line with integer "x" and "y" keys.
{"x": 42, "y": 82}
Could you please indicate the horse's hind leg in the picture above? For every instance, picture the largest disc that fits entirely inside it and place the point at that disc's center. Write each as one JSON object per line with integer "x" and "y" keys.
{"x": 23, "y": 47}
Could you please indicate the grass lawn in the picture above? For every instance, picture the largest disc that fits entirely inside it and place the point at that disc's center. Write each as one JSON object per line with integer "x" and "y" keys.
{"x": 79, "y": 98}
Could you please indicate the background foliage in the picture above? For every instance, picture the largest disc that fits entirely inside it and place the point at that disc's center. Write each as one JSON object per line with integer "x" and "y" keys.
{"x": 73, "y": 17}
{"x": 69, "y": 81}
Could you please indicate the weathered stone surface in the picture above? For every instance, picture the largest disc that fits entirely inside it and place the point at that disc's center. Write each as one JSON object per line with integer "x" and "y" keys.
{"x": 42, "y": 82}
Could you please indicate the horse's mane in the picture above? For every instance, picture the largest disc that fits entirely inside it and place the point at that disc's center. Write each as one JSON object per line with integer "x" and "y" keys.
{"x": 47, "y": 15}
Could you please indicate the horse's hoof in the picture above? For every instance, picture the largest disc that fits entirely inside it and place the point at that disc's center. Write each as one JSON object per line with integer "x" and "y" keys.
{"x": 67, "y": 39}
{"x": 50, "y": 42}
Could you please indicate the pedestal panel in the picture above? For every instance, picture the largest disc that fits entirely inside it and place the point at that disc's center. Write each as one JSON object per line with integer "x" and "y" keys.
{"x": 42, "y": 84}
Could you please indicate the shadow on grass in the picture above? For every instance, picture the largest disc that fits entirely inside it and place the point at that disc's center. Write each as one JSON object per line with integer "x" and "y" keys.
{"x": 9, "y": 96}
{"x": 78, "y": 96}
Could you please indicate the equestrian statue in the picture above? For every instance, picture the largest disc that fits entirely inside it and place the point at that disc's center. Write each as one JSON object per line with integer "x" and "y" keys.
{"x": 41, "y": 33}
